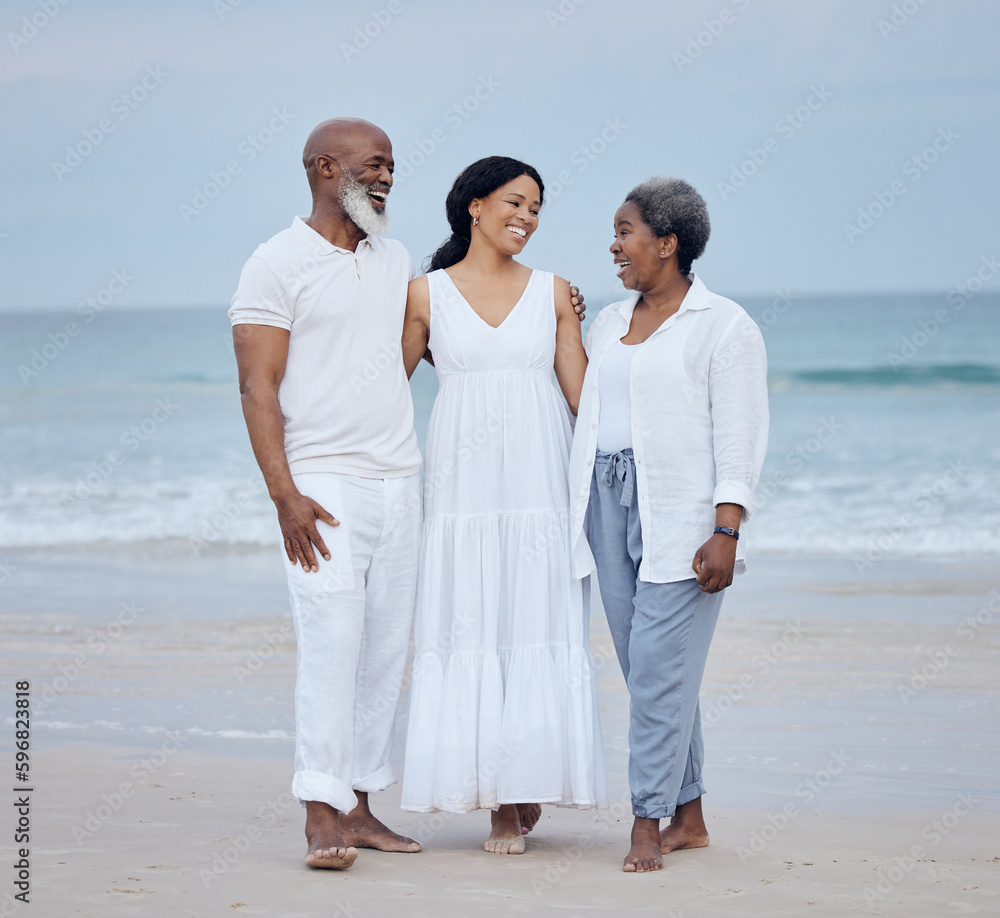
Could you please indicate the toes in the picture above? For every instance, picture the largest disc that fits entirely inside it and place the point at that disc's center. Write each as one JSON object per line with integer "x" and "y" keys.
{"x": 332, "y": 858}
{"x": 642, "y": 865}
{"x": 529, "y": 814}
{"x": 383, "y": 841}
{"x": 504, "y": 845}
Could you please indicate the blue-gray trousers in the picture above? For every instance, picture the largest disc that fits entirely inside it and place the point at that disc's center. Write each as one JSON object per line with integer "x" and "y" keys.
{"x": 662, "y": 632}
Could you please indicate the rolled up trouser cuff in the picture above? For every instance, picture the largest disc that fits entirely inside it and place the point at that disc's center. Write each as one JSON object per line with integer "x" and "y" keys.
{"x": 651, "y": 812}
{"x": 376, "y": 781}
{"x": 690, "y": 792}
{"x": 322, "y": 788}
{"x": 647, "y": 810}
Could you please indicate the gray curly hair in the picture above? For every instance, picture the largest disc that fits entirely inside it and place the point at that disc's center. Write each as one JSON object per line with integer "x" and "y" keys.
{"x": 672, "y": 206}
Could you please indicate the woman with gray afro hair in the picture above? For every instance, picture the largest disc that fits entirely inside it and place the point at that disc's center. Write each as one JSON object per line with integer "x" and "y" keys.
{"x": 672, "y": 206}
{"x": 669, "y": 443}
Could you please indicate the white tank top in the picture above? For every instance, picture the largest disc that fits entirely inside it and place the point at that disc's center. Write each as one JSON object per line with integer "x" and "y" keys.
{"x": 614, "y": 430}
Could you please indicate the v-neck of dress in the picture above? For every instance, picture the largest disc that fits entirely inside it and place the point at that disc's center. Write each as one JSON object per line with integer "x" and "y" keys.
{"x": 531, "y": 277}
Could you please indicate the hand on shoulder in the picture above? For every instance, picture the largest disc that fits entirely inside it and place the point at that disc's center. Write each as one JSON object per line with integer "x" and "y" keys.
{"x": 563, "y": 297}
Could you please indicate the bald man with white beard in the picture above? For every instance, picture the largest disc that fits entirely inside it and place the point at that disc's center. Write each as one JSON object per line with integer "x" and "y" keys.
{"x": 317, "y": 305}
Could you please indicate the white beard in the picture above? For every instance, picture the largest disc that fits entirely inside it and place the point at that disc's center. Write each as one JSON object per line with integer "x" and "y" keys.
{"x": 358, "y": 206}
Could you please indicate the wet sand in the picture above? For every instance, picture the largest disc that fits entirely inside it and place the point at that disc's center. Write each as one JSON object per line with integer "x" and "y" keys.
{"x": 852, "y": 736}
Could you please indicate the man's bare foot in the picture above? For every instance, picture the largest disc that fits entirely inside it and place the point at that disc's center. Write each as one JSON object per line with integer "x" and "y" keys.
{"x": 530, "y": 814}
{"x": 687, "y": 829}
{"x": 363, "y": 830}
{"x": 327, "y": 848}
{"x": 506, "y": 836}
{"x": 644, "y": 855}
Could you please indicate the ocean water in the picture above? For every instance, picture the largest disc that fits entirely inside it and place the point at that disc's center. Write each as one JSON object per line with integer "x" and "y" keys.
{"x": 885, "y": 428}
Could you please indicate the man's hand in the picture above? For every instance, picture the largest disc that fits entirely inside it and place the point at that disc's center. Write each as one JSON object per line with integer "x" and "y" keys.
{"x": 714, "y": 563}
{"x": 576, "y": 298}
{"x": 297, "y": 515}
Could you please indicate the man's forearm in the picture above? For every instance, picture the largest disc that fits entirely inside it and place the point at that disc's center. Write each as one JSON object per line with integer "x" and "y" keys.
{"x": 266, "y": 427}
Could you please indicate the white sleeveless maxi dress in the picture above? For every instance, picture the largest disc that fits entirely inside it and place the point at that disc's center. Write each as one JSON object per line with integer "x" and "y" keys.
{"x": 503, "y": 700}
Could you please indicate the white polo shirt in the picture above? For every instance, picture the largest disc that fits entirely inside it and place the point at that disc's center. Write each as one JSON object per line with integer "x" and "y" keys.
{"x": 344, "y": 397}
{"x": 699, "y": 418}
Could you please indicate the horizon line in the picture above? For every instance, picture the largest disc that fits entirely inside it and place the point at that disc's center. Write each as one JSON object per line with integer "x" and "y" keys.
{"x": 6, "y": 309}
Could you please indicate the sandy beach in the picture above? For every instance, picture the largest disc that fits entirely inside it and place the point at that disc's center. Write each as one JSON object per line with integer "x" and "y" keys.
{"x": 852, "y": 736}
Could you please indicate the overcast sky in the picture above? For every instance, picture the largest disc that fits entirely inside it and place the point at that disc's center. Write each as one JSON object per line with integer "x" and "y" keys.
{"x": 841, "y": 145}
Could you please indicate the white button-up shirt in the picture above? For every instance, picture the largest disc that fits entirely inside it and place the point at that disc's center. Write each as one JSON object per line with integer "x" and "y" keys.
{"x": 698, "y": 389}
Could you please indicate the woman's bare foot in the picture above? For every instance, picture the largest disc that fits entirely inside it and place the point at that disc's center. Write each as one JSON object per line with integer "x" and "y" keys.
{"x": 327, "y": 848}
{"x": 644, "y": 855}
{"x": 363, "y": 830}
{"x": 687, "y": 829}
{"x": 506, "y": 836}
{"x": 530, "y": 814}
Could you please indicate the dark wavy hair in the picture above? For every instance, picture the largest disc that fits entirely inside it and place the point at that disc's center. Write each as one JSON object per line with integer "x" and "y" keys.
{"x": 479, "y": 180}
{"x": 670, "y": 205}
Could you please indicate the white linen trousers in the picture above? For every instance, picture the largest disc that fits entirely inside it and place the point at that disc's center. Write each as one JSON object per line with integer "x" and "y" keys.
{"x": 352, "y": 621}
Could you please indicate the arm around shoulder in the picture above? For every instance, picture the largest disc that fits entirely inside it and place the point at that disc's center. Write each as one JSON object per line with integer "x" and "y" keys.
{"x": 416, "y": 323}
{"x": 570, "y": 357}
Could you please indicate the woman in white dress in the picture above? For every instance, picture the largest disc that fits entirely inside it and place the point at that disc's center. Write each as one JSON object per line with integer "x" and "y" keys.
{"x": 503, "y": 705}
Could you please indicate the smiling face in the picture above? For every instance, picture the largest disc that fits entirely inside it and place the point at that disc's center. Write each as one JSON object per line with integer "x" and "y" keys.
{"x": 366, "y": 166}
{"x": 637, "y": 252}
{"x": 366, "y": 160}
{"x": 508, "y": 216}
